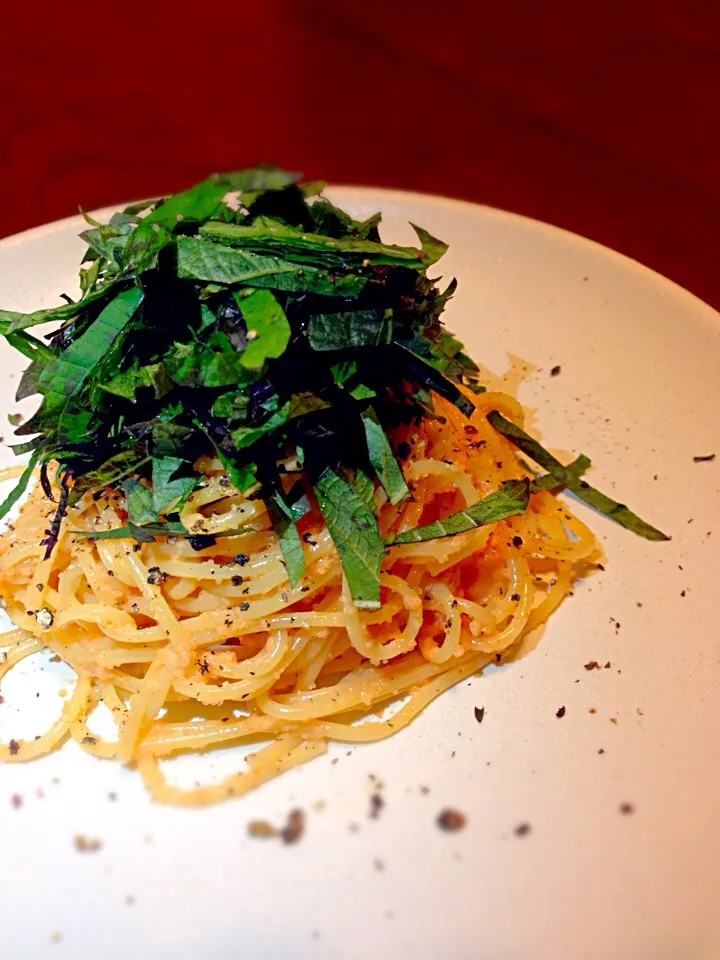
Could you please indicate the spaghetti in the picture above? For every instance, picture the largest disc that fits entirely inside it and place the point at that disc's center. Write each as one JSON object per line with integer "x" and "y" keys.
{"x": 193, "y": 649}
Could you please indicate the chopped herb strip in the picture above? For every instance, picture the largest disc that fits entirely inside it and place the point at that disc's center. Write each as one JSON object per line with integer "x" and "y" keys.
{"x": 278, "y": 334}
{"x": 511, "y": 499}
{"x": 147, "y": 532}
{"x": 384, "y": 463}
{"x": 17, "y": 492}
{"x": 354, "y": 531}
{"x": 288, "y": 536}
{"x": 568, "y": 478}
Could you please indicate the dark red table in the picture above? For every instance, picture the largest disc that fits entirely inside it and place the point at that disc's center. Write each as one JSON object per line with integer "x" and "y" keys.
{"x": 599, "y": 117}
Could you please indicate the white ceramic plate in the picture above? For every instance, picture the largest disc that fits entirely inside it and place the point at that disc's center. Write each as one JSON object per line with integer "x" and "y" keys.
{"x": 639, "y": 392}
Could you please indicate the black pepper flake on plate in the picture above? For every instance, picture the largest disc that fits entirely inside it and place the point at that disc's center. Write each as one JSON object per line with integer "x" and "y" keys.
{"x": 237, "y": 581}
{"x": 377, "y": 803}
{"x": 14, "y": 748}
{"x": 627, "y": 808}
{"x": 706, "y": 458}
{"x": 556, "y": 370}
{"x": 522, "y": 829}
{"x": 479, "y": 714}
{"x": 294, "y": 829}
{"x": 560, "y": 712}
{"x": 244, "y": 606}
{"x": 592, "y": 665}
{"x": 16, "y": 800}
{"x": 451, "y": 820}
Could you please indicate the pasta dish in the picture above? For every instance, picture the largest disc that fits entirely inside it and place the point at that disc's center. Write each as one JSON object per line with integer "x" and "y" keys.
{"x": 274, "y": 504}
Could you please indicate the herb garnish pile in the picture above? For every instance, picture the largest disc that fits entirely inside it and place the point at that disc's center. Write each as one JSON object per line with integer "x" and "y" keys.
{"x": 250, "y": 317}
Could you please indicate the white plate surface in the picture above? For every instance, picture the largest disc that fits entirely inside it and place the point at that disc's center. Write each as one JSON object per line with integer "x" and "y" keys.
{"x": 639, "y": 392}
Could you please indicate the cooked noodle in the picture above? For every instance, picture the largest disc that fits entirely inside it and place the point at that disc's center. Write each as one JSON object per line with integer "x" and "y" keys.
{"x": 153, "y": 629}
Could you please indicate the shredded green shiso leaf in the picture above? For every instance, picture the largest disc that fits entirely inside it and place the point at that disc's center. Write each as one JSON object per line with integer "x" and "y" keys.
{"x": 251, "y": 317}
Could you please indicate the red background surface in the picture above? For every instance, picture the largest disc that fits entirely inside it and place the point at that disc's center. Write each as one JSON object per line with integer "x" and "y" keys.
{"x": 599, "y": 117}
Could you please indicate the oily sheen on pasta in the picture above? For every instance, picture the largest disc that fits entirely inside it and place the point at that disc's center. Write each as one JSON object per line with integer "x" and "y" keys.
{"x": 193, "y": 649}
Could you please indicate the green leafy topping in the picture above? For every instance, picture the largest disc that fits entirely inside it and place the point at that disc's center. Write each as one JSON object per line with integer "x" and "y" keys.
{"x": 349, "y": 328}
{"x": 570, "y": 478}
{"x": 139, "y": 499}
{"x": 155, "y": 231}
{"x": 573, "y": 470}
{"x": 354, "y": 531}
{"x": 250, "y": 319}
{"x": 364, "y": 488}
{"x": 166, "y": 491}
{"x": 268, "y": 330}
{"x": 288, "y": 536}
{"x": 147, "y": 532}
{"x": 432, "y": 248}
{"x": 383, "y": 460}
{"x": 511, "y": 499}
{"x": 268, "y": 236}
{"x": 12, "y": 498}
{"x": 204, "y": 260}
{"x": 108, "y": 474}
